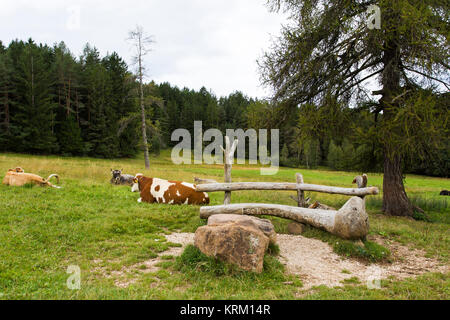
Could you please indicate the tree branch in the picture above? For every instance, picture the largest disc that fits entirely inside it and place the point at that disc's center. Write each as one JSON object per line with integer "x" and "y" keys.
{"x": 361, "y": 80}
{"x": 428, "y": 76}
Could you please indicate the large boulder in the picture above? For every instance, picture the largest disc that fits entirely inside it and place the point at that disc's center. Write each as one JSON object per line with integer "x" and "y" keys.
{"x": 241, "y": 245}
{"x": 264, "y": 225}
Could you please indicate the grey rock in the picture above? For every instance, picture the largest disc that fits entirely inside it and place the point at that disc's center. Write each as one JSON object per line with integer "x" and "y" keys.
{"x": 241, "y": 245}
{"x": 264, "y": 225}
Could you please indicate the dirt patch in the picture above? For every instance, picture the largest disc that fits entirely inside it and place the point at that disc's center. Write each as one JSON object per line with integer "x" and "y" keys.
{"x": 314, "y": 262}
{"x": 129, "y": 275}
{"x": 182, "y": 238}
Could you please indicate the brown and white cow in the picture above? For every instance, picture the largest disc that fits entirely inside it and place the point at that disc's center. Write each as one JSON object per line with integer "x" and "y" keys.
{"x": 154, "y": 190}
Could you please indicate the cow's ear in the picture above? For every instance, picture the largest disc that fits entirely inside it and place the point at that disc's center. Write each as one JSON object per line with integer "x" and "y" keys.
{"x": 111, "y": 170}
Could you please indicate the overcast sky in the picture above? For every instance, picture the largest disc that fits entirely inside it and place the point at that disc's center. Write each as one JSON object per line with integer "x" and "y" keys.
{"x": 211, "y": 43}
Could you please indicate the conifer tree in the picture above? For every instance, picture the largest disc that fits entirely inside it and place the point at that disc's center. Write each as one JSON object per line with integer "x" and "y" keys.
{"x": 101, "y": 125}
{"x": 35, "y": 111}
{"x": 6, "y": 97}
{"x": 330, "y": 50}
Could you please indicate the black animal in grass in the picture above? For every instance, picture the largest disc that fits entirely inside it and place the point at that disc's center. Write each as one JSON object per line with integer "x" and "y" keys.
{"x": 121, "y": 179}
{"x": 444, "y": 193}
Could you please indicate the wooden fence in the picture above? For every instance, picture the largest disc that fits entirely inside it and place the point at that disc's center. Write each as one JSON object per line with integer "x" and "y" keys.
{"x": 351, "y": 221}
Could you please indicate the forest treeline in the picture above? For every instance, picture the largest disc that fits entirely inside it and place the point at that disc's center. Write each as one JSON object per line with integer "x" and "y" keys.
{"x": 52, "y": 102}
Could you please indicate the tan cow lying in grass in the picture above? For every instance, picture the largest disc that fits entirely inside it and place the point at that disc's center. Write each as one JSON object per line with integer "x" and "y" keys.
{"x": 18, "y": 178}
{"x": 154, "y": 190}
{"x": 17, "y": 169}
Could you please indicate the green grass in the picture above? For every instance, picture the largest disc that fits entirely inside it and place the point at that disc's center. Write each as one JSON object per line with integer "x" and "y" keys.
{"x": 430, "y": 286}
{"x": 366, "y": 250}
{"x": 371, "y": 251}
{"x": 96, "y": 226}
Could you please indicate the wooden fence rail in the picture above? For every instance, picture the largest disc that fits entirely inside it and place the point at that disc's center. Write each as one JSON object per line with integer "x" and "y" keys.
{"x": 286, "y": 186}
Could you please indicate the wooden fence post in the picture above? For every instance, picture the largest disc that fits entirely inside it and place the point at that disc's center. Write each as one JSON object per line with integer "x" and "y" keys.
{"x": 300, "y": 193}
{"x": 229, "y": 158}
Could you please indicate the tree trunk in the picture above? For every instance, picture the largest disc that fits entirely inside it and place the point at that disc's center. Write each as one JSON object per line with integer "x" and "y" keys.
{"x": 144, "y": 130}
{"x": 395, "y": 200}
{"x": 7, "y": 110}
{"x": 32, "y": 83}
{"x": 68, "y": 101}
{"x": 77, "y": 106}
{"x": 144, "y": 127}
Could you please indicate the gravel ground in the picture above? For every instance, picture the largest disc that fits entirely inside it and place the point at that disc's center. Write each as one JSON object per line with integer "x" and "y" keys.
{"x": 314, "y": 262}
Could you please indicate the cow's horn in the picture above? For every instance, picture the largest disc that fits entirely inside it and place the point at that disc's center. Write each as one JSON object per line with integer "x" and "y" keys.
{"x": 51, "y": 176}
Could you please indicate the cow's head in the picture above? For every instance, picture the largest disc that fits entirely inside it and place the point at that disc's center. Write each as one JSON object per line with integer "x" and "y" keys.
{"x": 116, "y": 174}
{"x": 135, "y": 186}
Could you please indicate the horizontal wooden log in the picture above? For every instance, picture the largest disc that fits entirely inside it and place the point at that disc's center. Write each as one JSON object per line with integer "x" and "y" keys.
{"x": 319, "y": 218}
{"x": 349, "y": 222}
{"x": 212, "y": 187}
{"x": 203, "y": 181}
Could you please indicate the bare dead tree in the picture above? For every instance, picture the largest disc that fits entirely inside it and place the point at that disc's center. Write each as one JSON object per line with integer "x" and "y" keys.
{"x": 141, "y": 43}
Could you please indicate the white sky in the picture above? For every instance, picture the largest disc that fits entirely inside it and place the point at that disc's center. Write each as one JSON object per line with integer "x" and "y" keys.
{"x": 211, "y": 43}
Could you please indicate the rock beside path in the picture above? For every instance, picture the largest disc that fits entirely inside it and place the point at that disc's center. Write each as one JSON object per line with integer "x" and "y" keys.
{"x": 264, "y": 225}
{"x": 239, "y": 244}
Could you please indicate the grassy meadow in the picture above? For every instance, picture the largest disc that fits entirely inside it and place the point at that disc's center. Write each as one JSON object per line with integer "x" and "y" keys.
{"x": 102, "y": 228}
